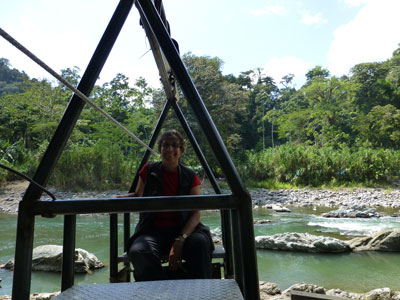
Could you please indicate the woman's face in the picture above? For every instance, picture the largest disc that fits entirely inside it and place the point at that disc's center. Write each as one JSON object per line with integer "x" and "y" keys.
{"x": 171, "y": 152}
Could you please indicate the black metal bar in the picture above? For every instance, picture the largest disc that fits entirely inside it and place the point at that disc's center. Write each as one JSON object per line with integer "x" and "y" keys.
{"x": 170, "y": 90}
{"x": 299, "y": 295}
{"x": 152, "y": 142}
{"x": 75, "y": 105}
{"x": 113, "y": 247}
{"x": 127, "y": 234}
{"x": 250, "y": 285}
{"x": 115, "y": 205}
{"x": 23, "y": 253}
{"x": 247, "y": 245}
{"x": 225, "y": 215}
{"x": 226, "y": 226}
{"x": 25, "y": 227}
{"x": 68, "y": 264}
{"x": 145, "y": 158}
{"x": 195, "y": 145}
{"x": 192, "y": 94}
{"x": 237, "y": 256}
{"x": 162, "y": 65}
{"x": 127, "y": 229}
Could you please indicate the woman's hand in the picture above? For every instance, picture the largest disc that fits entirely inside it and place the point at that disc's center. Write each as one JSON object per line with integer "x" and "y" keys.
{"x": 127, "y": 195}
{"x": 175, "y": 254}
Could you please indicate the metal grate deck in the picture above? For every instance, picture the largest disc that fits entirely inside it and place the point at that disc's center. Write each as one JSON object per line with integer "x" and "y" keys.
{"x": 210, "y": 289}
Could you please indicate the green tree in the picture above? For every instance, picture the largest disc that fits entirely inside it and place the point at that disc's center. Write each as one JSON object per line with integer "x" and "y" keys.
{"x": 32, "y": 115}
{"x": 381, "y": 127}
{"x": 373, "y": 87}
{"x": 394, "y": 69}
{"x": 248, "y": 129}
{"x": 324, "y": 116}
{"x": 266, "y": 99}
{"x": 317, "y": 72}
{"x": 11, "y": 80}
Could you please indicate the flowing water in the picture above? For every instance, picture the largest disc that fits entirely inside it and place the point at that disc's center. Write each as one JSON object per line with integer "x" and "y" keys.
{"x": 356, "y": 272}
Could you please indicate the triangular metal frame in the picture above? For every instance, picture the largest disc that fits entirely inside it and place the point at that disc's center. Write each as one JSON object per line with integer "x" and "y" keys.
{"x": 236, "y": 208}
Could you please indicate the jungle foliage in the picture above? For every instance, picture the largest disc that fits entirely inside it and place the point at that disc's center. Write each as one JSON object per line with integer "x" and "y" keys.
{"x": 329, "y": 131}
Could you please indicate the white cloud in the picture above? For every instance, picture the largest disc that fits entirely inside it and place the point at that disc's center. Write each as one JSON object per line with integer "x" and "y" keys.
{"x": 355, "y": 2}
{"x": 276, "y": 9}
{"x": 309, "y": 19}
{"x": 278, "y": 67}
{"x": 371, "y": 36}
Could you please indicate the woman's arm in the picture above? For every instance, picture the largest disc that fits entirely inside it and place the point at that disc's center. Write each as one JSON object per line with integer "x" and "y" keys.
{"x": 139, "y": 190}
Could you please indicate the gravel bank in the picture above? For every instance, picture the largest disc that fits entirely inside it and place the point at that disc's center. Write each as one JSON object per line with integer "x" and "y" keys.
{"x": 12, "y": 193}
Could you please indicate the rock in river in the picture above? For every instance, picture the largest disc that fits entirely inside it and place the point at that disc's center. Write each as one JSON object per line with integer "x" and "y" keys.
{"x": 49, "y": 258}
{"x": 387, "y": 240}
{"x": 355, "y": 211}
{"x": 302, "y": 242}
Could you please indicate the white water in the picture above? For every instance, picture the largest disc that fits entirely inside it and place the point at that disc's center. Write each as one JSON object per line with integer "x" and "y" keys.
{"x": 354, "y": 226}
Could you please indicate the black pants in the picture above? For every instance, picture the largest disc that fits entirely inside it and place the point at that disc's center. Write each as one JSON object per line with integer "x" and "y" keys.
{"x": 147, "y": 248}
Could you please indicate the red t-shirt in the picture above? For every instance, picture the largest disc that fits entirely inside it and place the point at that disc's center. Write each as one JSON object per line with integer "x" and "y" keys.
{"x": 169, "y": 188}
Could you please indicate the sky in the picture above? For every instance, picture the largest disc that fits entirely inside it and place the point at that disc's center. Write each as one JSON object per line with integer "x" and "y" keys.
{"x": 278, "y": 37}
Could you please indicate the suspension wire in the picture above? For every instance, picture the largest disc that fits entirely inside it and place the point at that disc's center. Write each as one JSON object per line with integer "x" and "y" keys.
{"x": 29, "y": 179}
{"x": 17, "y": 45}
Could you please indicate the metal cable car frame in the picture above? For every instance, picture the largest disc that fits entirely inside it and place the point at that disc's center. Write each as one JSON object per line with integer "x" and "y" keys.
{"x": 236, "y": 208}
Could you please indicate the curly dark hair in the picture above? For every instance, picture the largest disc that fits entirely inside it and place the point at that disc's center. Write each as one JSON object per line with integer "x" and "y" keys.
{"x": 172, "y": 135}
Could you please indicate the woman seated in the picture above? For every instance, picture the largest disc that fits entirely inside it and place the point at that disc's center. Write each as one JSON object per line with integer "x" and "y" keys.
{"x": 180, "y": 234}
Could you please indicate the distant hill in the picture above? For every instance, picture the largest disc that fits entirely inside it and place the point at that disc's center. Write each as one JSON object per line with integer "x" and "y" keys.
{"x": 11, "y": 80}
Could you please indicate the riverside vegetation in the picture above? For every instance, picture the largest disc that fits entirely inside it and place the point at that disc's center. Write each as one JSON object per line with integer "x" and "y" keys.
{"x": 332, "y": 131}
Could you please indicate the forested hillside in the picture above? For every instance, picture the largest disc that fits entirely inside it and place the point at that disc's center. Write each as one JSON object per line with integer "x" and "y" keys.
{"x": 329, "y": 131}
{"x": 11, "y": 80}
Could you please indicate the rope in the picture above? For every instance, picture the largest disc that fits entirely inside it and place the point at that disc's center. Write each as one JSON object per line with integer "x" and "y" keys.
{"x": 71, "y": 87}
{"x": 30, "y": 180}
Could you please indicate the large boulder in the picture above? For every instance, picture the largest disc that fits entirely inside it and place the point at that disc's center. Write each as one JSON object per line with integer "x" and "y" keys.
{"x": 379, "y": 294}
{"x": 387, "y": 240}
{"x": 305, "y": 287}
{"x": 263, "y": 221}
{"x": 35, "y": 296}
{"x": 49, "y": 258}
{"x": 355, "y": 211}
{"x": 302, "y": 242}
{"x": 280, "y": 208}
{"x": 269, "y": 288}
{"x": 345, "y": 294}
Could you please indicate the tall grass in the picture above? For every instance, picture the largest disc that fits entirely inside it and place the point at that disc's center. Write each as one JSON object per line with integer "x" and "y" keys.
{"x": 17, "y": 157}
{"x": 313, "y": 166}
{"x": 104, "y": 166}
{"x": 97, "y": 167}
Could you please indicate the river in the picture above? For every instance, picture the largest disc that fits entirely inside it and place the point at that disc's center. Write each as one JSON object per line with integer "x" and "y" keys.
{"x": 355, "y": 272}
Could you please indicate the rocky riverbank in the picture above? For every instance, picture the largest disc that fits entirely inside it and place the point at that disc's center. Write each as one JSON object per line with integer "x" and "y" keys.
{"x": 329, "y": 198}
{"x": 271, "y": 291}
{"x": 12, "y": 193}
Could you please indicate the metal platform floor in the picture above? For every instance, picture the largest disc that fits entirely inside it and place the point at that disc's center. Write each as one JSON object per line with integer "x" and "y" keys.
{"x": 210, "y": 289}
